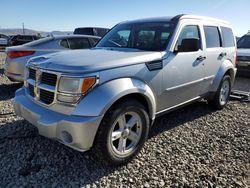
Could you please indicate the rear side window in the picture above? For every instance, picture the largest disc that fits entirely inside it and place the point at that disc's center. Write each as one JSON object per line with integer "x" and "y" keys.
{"x": 78, "y": 43}
{"x": 212, "y": 36}
{"x": 228, "y": 37}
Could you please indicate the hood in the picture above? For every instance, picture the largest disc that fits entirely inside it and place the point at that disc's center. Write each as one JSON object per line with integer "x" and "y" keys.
{"x": 92, "y": 59}
{"x": 243, "y": 52}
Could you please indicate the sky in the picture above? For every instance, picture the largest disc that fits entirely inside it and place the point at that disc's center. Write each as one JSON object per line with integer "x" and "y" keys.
{"x": 51, "y": 15}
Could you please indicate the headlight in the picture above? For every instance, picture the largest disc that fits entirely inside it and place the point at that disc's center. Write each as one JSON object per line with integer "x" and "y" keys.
{"x": 72, "y": 88}
{"x": 69, "y": 85}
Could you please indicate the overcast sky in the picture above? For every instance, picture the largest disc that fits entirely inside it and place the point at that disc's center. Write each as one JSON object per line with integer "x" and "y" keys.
{"x": 49, "y": 15}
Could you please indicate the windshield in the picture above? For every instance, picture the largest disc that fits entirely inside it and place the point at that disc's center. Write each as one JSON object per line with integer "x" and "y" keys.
{"x": 244, "y": 42}
{"x": 144, "y": 36}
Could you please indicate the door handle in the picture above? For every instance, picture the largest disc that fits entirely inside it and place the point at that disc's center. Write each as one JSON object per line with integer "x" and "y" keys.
{"x": 222, "y": 54}
{"x": 201, "y": 58}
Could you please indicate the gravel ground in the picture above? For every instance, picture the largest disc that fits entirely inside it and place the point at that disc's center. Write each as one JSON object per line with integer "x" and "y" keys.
{"x": 191, "y": 147}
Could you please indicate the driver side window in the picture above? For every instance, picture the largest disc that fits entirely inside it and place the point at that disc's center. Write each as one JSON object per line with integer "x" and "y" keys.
{"x": 189, "y": 32}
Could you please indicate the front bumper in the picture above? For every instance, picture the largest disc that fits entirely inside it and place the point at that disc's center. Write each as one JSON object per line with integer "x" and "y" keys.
{"x": 77, "y": 132}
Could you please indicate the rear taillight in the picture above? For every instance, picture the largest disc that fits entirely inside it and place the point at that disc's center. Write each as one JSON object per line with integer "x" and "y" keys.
{"x": 16, "y": 54}
{"x": 235, "y": 58}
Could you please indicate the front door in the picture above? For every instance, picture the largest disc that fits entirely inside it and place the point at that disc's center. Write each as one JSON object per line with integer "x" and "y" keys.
{"x": 183, "y": 72}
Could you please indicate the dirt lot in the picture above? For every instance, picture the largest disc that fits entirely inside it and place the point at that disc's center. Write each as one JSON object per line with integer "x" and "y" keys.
{"x": 192, "y": 147}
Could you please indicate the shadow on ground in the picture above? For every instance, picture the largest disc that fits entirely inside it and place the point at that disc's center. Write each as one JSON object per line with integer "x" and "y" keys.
{"x": 42, "y": 157}
{"x": 179, "y": 117}
{"x": 7, "y": 91}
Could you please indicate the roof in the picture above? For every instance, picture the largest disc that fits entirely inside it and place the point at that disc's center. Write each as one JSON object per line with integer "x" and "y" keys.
{"x": 177, "y": 17}
{"x": 74, "y": 36}
{"x": 203, "y": 18}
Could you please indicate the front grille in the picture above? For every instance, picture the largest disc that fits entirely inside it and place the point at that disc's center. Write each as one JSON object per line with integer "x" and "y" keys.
{"x": 31, "y": 90}
{"x": 49, "y": 79}
{"x": 32, "y": 74}
{"x": 44, "y": 93}
{"x": 46, "y": 97}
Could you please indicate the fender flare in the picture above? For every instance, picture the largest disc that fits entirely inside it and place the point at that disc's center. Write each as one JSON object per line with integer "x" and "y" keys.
{"x": 101, "y": 98}
{"x": 227, "y": 65}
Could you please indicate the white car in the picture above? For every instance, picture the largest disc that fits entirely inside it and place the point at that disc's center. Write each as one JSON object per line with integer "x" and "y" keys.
{"x": 17, "y": 56}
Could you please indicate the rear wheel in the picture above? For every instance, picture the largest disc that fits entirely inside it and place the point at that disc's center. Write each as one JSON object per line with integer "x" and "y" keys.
{"x": 222, "y": 95}
{"x": 122, "y": 133}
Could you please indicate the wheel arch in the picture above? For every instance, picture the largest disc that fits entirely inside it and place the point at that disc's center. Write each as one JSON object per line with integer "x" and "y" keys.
{"x": 227, "y": 68}
{"x": 98, "y": 101}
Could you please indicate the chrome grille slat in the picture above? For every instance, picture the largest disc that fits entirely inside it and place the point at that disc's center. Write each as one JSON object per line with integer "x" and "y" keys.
{"x": 44, "y": 85}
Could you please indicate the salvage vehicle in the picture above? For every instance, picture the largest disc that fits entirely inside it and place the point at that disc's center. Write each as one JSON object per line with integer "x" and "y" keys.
{"x": 17, "y": 56}
{"x": 95, "y": 31}
{"x": 243, "y": 55}
{"x": 16, "y": 40}
{"x": 107, "y": 98}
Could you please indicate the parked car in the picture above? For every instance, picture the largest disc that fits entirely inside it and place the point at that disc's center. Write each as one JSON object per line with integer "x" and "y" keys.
{"x": 107, "y": 98}
{"x": 18, "y": 56}
{"x": 22, "y": 39}
{"x": 95, "y": 31}
{"x": 3, "y": 40}
{"x": 243, "y": 55}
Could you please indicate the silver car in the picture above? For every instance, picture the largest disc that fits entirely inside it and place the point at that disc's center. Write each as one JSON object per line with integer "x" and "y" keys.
{"x": 107, "y": 98}
{"x": 17, "y": 56}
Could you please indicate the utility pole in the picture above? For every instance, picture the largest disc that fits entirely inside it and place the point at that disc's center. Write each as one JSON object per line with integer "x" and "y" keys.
{"x": 23, "y": 29}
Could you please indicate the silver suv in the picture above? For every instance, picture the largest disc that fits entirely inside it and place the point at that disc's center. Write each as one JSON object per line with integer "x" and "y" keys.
{"x": 107, "y": 98}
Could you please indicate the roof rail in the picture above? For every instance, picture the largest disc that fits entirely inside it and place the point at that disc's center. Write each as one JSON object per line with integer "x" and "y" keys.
{"x": 177, "y": 17}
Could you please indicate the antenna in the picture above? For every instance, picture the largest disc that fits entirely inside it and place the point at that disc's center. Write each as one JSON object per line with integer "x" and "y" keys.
{"x": 23, "y": 29}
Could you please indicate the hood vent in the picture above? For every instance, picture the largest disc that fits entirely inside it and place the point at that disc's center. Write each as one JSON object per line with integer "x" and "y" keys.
{"x": 154, "y": 65}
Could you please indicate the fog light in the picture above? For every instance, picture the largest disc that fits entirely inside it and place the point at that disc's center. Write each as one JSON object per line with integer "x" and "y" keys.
{"x": 66, "y": 137}
{"x": 68, "y": 99}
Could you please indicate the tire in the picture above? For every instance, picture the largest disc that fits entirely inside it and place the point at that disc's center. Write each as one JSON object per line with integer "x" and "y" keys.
{"x": 117, "y": 142}
{"x": 222, "y": 95}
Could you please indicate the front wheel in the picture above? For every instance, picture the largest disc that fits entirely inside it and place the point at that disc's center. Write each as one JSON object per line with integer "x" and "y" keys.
{"x": 122, "y": 133}
{"x": 222, "y": 95}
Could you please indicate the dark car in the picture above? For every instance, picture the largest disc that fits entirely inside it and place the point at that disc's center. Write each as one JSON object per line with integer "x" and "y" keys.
{"x": 95, "y": 31}
{"x": 243, "y": 56}
{"x": 22, "y": 39}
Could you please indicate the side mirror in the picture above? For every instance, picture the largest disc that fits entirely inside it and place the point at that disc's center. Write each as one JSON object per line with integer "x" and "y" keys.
{"x": 188, "y": 45}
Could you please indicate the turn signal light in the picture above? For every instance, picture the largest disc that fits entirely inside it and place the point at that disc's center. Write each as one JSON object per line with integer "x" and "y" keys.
{"x": 88, "y": 83}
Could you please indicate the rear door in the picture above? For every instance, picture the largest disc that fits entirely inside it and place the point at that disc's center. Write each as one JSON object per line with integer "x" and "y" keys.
{"x": 218, "y": 49}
